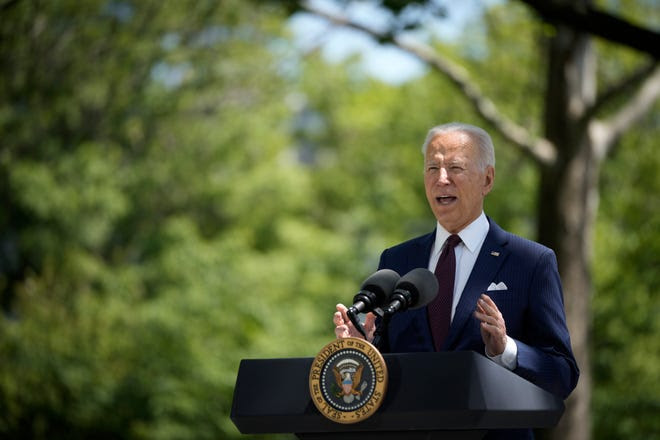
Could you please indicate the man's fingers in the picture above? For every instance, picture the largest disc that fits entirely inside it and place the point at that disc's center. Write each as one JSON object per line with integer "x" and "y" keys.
{"x": 492, "y": 324}
{"x": 341, "y": 321}
{"x": 491, "y": 328}
{"x": 370, "y": 320}
{"x": 340, "y": 316}
{"x": 487, "y": 304}
{"x": 344, "y": 327}
{"x": 337, "y": 319}
{"x": 488, "y": 307}
{"x": 485, "y": 318}
{"x": 341, "y": 331}
{"x": 342, "y": 309}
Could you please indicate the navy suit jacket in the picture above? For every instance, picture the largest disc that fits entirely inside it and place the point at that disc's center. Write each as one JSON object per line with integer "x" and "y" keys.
{"x": 532, "y": 307}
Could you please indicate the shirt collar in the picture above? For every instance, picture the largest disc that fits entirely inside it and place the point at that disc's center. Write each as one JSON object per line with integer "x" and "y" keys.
{"x": 472, "y": 235}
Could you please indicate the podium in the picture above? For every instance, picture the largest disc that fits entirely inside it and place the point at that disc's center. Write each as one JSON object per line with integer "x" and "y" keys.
{"x": 444, "y": 395}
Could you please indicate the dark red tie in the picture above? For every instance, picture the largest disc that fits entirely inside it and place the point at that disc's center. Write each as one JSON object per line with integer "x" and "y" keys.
{"x": 440, "y": 308}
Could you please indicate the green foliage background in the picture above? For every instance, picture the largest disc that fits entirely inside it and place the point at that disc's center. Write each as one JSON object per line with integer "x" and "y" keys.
{"x": 181, "y": 189}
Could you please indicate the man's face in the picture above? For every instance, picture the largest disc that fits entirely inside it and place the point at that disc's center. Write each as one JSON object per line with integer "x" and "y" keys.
{"x": 454, "y": 182}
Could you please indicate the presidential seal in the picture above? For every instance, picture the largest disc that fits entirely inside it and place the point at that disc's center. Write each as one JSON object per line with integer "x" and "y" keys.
{"x": 348, "y": 380}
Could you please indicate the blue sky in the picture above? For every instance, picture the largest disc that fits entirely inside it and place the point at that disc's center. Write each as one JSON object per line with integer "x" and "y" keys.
{"x": 386, "y": 63}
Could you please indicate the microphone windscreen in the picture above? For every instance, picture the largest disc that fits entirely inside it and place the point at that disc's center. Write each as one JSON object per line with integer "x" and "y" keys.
{"x": 381, "y": 283}
{"x": 422, "y": 284}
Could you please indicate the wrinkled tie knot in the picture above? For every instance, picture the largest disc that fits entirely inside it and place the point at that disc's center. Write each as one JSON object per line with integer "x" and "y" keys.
{"x": 452, "y": 241}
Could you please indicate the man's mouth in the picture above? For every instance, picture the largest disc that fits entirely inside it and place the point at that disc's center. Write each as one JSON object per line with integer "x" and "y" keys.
{"x": 445, "y": 200}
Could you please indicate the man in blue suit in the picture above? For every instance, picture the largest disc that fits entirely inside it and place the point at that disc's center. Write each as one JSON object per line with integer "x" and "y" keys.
{"x": 507, "y": 300}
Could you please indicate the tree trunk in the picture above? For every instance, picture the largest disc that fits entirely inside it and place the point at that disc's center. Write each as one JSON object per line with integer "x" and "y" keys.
{"x": 568, "y": 202}
{"x": 570, "y": 235}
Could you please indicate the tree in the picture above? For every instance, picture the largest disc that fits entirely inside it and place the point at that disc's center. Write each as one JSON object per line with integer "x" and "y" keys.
{"x": 179, "y": 191}
{"x": 137, "y": 140}
{"x": 166, "y": 212}
{"x": 588, "y": 19}
{"x": 625, "y": 332}
{"x": 581, "y": 124}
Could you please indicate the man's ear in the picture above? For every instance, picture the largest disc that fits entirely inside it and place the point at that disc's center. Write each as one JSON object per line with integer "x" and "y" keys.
{"x": 489, "y": 180}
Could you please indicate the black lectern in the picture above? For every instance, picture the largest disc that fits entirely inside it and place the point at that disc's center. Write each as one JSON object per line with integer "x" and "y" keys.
{"x": 447, "y": 395}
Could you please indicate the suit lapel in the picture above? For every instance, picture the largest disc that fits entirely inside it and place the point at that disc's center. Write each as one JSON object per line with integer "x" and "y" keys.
{"x": 421, "y": 257}
{"x": 488, "y": 263}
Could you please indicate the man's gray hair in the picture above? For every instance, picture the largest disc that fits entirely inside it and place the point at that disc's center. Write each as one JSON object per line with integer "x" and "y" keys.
{"x": 479, "y": 135}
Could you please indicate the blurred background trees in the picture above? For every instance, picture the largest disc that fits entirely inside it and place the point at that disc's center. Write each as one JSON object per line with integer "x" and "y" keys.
{"x": 181, "y": 188}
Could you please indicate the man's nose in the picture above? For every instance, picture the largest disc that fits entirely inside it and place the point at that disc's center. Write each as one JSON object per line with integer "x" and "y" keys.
{"x": 443, "y": 176}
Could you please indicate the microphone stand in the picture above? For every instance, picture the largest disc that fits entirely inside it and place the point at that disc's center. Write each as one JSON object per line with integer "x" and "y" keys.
{"x": 380, "y": 334}
{"x": 356, "y": 322}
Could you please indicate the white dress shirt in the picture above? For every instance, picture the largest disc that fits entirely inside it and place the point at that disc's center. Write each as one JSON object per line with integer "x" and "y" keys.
{"x": 472, "y": 238}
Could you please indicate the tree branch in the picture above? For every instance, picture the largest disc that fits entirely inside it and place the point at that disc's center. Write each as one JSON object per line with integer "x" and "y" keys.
{"x": 8, "y": 4}
{"x": 602, "y": 24}
{"x": 539, "y": 149}
{"x": 608, "y": 131}
{"x": 620, "y": 88}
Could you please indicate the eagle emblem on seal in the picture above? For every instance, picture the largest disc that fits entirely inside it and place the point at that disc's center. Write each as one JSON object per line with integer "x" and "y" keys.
{"x": 348, "y": 377}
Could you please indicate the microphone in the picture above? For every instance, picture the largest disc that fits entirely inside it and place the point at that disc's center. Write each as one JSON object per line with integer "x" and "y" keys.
{"x": 415, "y": 289}
{"x": 374, "y": 292}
